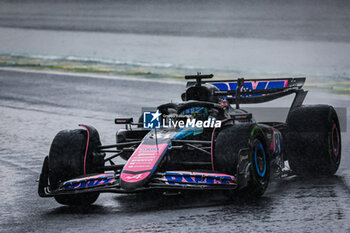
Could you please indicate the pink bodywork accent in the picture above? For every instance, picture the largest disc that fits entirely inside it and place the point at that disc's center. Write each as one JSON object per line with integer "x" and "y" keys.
{"x": 272, "y": 145}
{"x": 132, "y": 178}
{"x": 145, "y": 157}
{"x": 335, "y": 130}
{"x": 87, "y": 146}
{"x": 212, "y": 150}
{"x": 142, "y": 161}
{"x": 254, "y": 84}
{"x": 199, "y": 173}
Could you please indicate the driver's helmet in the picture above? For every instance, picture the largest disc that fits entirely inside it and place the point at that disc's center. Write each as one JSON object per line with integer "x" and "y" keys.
{"x": 198, "y": 113}
{"x": 205, "y": 92}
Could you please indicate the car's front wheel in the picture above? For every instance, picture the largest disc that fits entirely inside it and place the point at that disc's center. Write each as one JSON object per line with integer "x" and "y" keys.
{"x": 67, "y": 160}
{"x": 240, "y": 145}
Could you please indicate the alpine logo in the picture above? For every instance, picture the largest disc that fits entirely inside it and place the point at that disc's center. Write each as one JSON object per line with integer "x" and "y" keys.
{"x": 138, "y": 176}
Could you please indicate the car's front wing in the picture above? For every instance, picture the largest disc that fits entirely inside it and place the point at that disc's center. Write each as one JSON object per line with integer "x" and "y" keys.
{"x": 170, "y": 180}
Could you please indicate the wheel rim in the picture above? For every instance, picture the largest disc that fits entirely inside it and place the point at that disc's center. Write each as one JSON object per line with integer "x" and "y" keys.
{"x": 335, "y": 140}
{"x": 260, "y": 159}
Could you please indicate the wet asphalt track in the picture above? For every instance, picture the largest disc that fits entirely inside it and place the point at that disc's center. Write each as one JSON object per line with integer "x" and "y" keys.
{"x": 34, "y": 107}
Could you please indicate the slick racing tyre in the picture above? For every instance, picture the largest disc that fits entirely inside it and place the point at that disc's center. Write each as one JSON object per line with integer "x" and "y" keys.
{"x": 66, "y": 161}
{"x": 236, "y": 148}
{"x": 313, "y": 140}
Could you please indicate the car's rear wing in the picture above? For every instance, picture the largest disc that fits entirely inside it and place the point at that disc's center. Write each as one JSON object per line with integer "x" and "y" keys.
{"x": 250, "y": 91}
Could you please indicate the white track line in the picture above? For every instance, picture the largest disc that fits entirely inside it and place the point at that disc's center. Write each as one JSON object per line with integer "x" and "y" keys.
{"x": 90, "y": 75}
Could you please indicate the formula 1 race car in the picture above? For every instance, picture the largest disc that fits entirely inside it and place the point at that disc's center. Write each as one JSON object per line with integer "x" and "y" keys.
{"x": 206, "y": 142}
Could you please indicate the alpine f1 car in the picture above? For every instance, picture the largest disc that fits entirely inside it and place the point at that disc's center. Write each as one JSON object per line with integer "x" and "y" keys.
{"x": 206, "y": 142}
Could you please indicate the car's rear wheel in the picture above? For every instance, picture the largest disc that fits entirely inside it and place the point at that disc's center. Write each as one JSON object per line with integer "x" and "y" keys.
{"x": 66, "y": 161}
{"x": 313, "y": 140}
{"x": 240, "y": 145}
